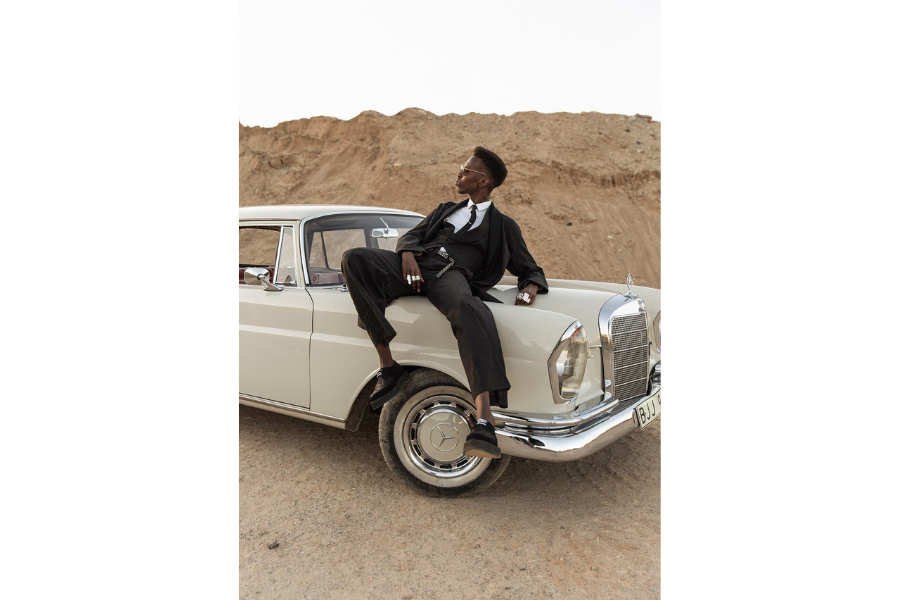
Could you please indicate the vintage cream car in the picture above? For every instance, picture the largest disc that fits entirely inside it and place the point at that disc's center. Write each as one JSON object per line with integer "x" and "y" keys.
{"x": 583, "y": 361}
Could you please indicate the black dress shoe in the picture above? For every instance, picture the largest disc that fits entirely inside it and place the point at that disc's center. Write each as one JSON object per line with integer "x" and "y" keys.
{"x": 390, "y": 383}
{"x": 482, "y": 441}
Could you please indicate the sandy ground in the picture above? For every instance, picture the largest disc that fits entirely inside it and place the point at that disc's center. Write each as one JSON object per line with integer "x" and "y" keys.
{"x": 585, "y": 189}
{"x": 346, "y": 527}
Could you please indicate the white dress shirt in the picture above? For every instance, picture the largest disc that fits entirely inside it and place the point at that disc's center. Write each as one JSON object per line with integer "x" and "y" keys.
{"x": 461, "y": 216}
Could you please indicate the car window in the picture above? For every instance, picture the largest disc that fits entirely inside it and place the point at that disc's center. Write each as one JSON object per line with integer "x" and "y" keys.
{"x": 259, "y": 247}
{"x": 327, "y": 238}
{"x": 329, "y": 246}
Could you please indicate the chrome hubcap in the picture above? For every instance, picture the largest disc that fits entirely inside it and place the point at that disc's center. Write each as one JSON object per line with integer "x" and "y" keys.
{"x": 434, "y": 432}
{"x": 437, "y": 431}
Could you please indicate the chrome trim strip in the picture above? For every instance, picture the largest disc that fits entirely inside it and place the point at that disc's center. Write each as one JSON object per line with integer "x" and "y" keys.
{"x": 301, "y": 239}
{"x": 559, "y": 424}
{"x": 606, "y": 313}
{"x": 278, "y": 254}
{"x": 360, "y": 210}
{"x": 633, "y": 364}
{"x": 631, "y": 348}
{"x": 293, "y": 251}
{"x": 577, "y": 444}
{"x": 656, "y": 339}
{"x": 263, "y": 403}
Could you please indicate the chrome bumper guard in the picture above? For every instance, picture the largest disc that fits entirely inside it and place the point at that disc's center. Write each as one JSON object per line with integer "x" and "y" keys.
{"x": 568, "y": 439}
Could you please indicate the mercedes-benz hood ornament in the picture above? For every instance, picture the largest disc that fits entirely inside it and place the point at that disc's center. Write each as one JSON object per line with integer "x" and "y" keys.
{"x": 628, "y": 282}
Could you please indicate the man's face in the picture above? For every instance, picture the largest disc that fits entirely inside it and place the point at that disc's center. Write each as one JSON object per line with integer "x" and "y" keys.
{"x": 469, "y": 181}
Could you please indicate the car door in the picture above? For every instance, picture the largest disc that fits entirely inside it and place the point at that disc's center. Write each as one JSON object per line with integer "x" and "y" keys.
{"x": 275, "y": 326}
{"x": 342, "y": 356}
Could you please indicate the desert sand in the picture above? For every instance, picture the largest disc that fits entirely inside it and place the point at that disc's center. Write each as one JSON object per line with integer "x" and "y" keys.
{"x": 321, "y": 515}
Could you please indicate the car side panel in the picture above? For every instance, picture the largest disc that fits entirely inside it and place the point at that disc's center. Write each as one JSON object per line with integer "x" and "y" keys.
{"x": 275, "y": 328}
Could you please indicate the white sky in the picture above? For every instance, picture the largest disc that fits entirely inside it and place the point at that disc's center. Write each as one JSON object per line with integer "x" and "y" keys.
{"x": 339, "y": 58}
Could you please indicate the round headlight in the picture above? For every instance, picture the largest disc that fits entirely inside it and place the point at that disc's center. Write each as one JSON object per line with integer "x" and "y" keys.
{"x": 568, "y": 363}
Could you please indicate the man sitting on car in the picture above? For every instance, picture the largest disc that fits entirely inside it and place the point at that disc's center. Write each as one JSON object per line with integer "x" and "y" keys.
{"x": 454, "y": 255}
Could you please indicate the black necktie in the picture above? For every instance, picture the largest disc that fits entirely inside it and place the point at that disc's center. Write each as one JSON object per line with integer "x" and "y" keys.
{"x": 468, "y": 225}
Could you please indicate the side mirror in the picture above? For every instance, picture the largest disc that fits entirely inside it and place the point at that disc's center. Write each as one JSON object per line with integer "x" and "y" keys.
{"x": 385, "y": 233}
{"x": 260, "y": 276}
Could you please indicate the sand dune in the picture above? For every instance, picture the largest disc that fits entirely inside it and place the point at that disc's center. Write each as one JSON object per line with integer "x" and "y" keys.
{"x": 585, "y": 188}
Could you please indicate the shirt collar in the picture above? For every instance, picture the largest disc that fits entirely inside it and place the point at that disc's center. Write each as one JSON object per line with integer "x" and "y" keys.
{"x": 481, "y": 207}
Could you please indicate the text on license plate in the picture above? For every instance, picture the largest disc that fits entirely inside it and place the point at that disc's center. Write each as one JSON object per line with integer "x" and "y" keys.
{"x": 646, "y": 411}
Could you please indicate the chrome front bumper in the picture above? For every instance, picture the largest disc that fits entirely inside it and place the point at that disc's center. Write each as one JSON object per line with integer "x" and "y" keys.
{"x": 568, "y": 439}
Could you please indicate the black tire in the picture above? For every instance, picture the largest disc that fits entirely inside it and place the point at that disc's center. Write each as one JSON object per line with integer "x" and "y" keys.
{"x": 434, "y": 465}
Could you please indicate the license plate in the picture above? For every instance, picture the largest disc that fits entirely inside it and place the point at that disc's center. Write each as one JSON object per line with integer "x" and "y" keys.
{"x": 646, "y": 411}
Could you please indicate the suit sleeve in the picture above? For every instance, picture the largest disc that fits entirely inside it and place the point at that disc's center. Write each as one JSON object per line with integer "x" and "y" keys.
{"x": 521, "y": 263}
{"x": 412, "y": 240}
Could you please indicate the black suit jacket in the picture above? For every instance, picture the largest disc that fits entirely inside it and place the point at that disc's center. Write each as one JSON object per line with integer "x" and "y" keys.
{"x": 506, "y": 249}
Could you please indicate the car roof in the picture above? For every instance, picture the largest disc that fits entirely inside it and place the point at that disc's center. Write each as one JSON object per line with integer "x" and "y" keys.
{"x": 304, "y": 211}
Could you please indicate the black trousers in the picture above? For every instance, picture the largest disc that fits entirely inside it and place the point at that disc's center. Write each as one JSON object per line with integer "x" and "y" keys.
{"x": 375, "y": 277}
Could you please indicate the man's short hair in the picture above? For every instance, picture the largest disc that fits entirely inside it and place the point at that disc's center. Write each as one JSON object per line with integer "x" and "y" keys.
{"x": 493, "y": 163}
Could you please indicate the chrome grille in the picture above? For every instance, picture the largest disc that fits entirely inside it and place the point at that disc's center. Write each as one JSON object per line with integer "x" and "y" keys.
{"x": 631, "y": 357}
{"x": 631, "y": 354}
{"x": 629, "y": 339}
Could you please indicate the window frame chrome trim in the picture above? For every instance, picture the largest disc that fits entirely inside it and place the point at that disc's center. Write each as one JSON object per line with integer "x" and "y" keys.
{"x": 278, "y": 254}
{"x": 290, "y": 224}
{"x": 281, "y": 224}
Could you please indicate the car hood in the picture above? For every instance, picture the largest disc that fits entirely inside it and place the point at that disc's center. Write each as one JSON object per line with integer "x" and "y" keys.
{"x": 580, "y": 300}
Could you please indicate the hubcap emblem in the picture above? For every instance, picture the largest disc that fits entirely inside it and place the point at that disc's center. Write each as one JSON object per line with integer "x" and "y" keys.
{"x": 444, "y": 437}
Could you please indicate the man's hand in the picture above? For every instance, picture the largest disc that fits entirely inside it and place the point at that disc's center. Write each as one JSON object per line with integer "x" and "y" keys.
{"x": 526, "y": 296}
{"x": 411, "y": 271}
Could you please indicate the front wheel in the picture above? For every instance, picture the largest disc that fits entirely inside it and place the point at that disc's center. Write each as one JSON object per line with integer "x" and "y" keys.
{"x": 422, "y": 432}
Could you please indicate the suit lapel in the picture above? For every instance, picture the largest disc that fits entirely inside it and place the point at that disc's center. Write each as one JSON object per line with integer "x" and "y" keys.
{"x": 439, "y": 222}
